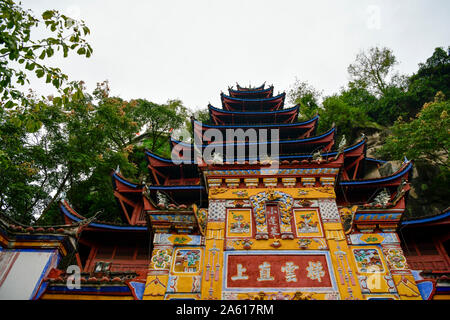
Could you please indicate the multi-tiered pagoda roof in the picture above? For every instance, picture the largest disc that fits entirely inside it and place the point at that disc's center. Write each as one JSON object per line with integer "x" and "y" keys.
{"x": 299, "y": 143}
{"x": 299, "y": 146}
{"x": 170, "y": 198}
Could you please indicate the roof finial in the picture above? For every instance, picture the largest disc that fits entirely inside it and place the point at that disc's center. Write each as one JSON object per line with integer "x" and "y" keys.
{"x": 342, "y": 144}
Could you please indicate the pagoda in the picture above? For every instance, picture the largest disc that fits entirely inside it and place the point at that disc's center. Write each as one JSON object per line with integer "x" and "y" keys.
{"x": 257, "y": 206}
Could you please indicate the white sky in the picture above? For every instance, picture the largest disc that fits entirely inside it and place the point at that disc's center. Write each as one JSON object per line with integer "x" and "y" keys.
{"x": 192, "y": 50}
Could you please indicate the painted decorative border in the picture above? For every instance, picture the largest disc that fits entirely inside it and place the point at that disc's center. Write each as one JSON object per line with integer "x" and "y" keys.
{"x": 306, "y": 235}
{"x": 171, "y": 239}
{"x": 272, "y": 171}
{"x": 231, "y": 235}
{"x": 355, "y": 239}
{"x": 200, "y": 262}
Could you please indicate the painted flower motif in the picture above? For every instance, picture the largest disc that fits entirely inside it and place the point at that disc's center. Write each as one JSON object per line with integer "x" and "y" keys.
{"x": 396, "y": 259}
{"x": 241, "y": 193}
{"x": 368, "y": 260}
{"x": 303, "y": 243}
{"x": 161, "y": 259}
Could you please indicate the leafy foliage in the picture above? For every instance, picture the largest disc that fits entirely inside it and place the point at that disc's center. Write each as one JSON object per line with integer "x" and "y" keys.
{"x": 160, "y": 121}
{"x": 425, "y": 138}
{"x": 20, "y": 54}
{"x": 76, "y": 148}
{"x": 347, "y": 110}
{"x": 29, "y": 165}
{"x": 69, "y": 143}
{"x": 433, "y": 76}
{"x": 202, "y": 115}
{"x": 349, "y": 120}
{"x": 394, "y": 103}
{"x": 372, "y": 69}
{"x": 305, "y": 95}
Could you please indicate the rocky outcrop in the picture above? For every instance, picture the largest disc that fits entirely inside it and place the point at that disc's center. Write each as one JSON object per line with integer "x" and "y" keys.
{"x": 429, "y": 184}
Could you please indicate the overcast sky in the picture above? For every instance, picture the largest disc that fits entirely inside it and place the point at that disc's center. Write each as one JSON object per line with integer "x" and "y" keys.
{"x": 192, "y": 50}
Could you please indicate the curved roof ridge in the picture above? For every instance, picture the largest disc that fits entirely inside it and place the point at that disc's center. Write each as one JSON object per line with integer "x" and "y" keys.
{"x": 281, "y": 95}
{"x": 304, "y": 155}
{"x": 442, "y": 215}
{"x": 401, "y": 171}
{"x": 329, "y": 132}
{"x": 153, "y": 155}
{"x": 70, "y": 213}
{"x": 116, "y": 175}
{"x": 211, "y": 107}
{"x": 251, "y": 90}
{"x": 177, "y": 187}
{"x": 316, "y": 117}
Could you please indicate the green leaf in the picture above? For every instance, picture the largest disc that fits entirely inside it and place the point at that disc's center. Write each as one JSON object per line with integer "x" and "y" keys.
{"x": 40, "y": 73}
{"x": 30, "y": 66}
{"x": 86, "y": 30}
{"x": 9, "y": 104}
{"x": 56, "y": 83}
{"x": 48, "y": 14}
{"x": 81, "y": 51}
{"x": 16, "y": 121}
{"x": 50, "y": 52}
{"x": 57, "y": 101}
{"x": 65, "y": 50}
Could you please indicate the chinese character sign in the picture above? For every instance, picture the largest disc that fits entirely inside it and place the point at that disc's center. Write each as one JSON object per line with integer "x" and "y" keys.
{"x": 277, "y": 270}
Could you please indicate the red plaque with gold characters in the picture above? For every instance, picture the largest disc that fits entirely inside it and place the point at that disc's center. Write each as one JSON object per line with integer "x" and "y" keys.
{"x": 277, "y": 269}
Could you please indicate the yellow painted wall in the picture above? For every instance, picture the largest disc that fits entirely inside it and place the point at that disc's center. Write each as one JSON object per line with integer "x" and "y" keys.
{"x": 233, "y": 231}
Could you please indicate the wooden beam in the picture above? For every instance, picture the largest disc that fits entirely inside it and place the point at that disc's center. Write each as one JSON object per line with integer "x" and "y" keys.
{"x": 360, "y": 157}
{"x": 125, "y": 211}
{"x": 345, "y": 175}
{"x": 90, "y": 259}
{"x": 77, "y": 256}
{"x": 356, "y": 168}
{"x": 136, "y": 213}
{"x": 307, "y": 133}
{"x": 124, "y": 199}
{"x": 154, "y": 174}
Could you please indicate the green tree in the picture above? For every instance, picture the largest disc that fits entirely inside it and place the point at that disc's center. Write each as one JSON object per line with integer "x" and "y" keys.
{"x": 70, "y": 143}
{"x": 393, "y": 104}
{"x": 23, "y": 143}
{"x": 349, "y": 120}
{"x": 22, "y": 54}
{"x": 433, "y": 76}
{"x": 373, "y": 70}
{"x": 160, "y": 120}
{"x": 426, "y": 138}
{"x": 358, "y": 97}
{"x": 303, "y": 94}
{"x": 202, "y": 115}
{"x": 126, "y": 128}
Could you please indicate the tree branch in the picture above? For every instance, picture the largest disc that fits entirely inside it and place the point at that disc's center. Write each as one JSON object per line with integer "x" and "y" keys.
{"x": 58, "y": 192}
